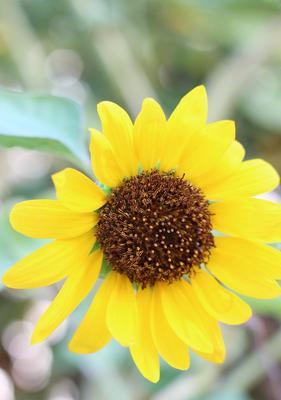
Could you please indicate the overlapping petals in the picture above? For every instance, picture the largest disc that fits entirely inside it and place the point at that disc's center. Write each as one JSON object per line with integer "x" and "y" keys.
{"x": 78, "y": 192}
{"x": 143, "y": 350}
{"x": 251, "y": 218}
{"x": 104, "y": 161}
{"x": 150, "y": 326}
{"x": 150, "y": 133}
{"x": 94, "y": 322}
{"x": 118, "y": 129}
{"x": 49, "y": 264}
{"x": 250, "y": 268}
{"x": 188, "y": 118}
{"x": 249, "y": 179}
{"x": 219, "y": 302}
{"x": 76, "y": 287}
{"x": 205, "y": 149}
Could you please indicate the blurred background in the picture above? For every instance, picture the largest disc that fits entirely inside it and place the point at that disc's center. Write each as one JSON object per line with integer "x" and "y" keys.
{"x": 124, "y": 50}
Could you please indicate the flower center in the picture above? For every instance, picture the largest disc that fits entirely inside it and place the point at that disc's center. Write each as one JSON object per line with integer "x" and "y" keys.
{"x": 155, "y": 227}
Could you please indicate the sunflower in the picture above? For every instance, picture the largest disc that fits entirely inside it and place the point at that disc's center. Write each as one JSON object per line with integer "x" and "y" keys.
{"x": 174, "y": 227}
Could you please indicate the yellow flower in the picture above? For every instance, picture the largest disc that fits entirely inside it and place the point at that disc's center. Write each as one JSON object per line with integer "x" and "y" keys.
{"x": 168, "y": 187}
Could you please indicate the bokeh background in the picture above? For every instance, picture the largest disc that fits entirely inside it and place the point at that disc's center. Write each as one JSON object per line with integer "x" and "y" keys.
{"x": 125, "y": 50}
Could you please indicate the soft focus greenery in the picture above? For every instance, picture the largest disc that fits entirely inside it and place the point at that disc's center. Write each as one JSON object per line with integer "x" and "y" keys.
{"x": 86, "y": 51}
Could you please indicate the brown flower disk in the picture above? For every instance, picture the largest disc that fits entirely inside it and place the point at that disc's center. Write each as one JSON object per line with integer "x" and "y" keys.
{"x": 155, "y": 227}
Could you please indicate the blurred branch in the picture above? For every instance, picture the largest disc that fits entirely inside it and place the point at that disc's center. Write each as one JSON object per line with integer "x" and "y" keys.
{"x": 252, "y": 370}
{"x": 230, "y": 79}
{"x": 258, "y": 325}
{"x": 119, "y": 61}
{"x": 23, "y": 44}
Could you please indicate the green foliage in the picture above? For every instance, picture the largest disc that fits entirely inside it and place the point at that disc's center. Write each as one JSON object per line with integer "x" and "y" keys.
{"x": 48, "y": 123}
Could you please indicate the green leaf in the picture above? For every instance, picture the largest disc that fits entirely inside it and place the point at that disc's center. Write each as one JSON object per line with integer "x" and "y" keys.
{"x": 105, "y": 268}
{"x": 95, "y": 247}
{"x": 42, "y": 122}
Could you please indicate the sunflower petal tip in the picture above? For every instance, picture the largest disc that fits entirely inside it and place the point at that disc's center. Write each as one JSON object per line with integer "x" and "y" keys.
{"x": 103, "y": 106}
{"x": 94, "y": 132}
{"x": 148, "y": 100}
{"x": 184, "y": 367}
{"x": 72, "y": 346}
{"x": 152, "y": 375}
{"x": 250, "y": 314}
{"x": 13, "y": 216}
{"x": 58, "y": 176}
{"x": 200, "y": 89}
{"x": 9, "y": 280}
{"x": 230, "y": 123}
{"x": 153, "y": 378}
{"x": 5, "y": 279}
{"x": 75, "y": 346}
{"x": 35, "y": 338}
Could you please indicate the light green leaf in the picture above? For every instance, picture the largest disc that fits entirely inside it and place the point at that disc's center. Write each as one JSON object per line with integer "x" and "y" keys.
{"x": 42, "y": 122}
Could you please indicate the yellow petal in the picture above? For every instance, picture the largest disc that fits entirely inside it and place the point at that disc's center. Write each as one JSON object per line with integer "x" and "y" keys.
{"x": 122, "y": 310}
{"x": 192, "y": 110}
{"x": 223, "y": 166}
{"x": 210, "y": 325}
{"x": 142, "y": 349}
{"x": 246, "y": 267}
{"x": 149, "y": 134}
{"x": 263, "y": 259}
{"x": 118, "y": 128}
{"x": 75, "y": 289}
{"x": 49, "y": 264}
{"x": 104, "y": 164}
{"x": 205, "y": 149}
{"x": 249, "y": 179}
{"x": 173, "y": 350}
{"x": 183, "y": 317}
{"x": 77, "y": 192}
{"x": 255, "y": 219}
{"x": 150, "y": 111}
{"x": 219, "y": 302}
{"x": 44, "y": 219}
{"x": 218, "y": 353}
{"x": 93, "y": 334}
{"x": 189, "y": 117}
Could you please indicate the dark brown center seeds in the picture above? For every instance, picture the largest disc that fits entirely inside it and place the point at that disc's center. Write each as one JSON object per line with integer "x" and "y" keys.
{"x": 155, "y": 227}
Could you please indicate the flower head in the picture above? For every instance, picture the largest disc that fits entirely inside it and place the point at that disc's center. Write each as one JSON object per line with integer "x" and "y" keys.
{"x": 176, "y": 222}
